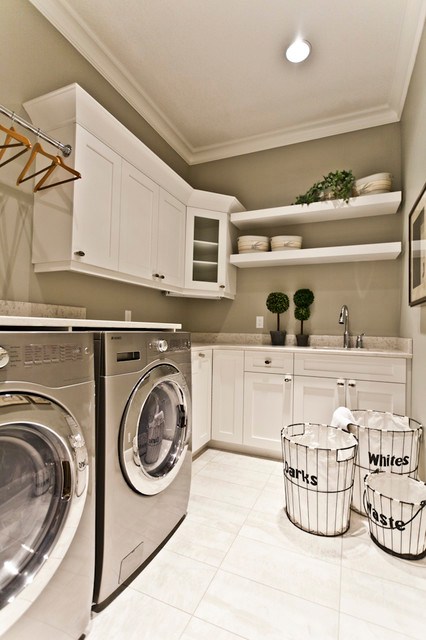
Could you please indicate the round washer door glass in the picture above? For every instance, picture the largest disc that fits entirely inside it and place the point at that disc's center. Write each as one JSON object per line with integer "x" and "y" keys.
{"x": 43, "y": 477}
{"x": 155, "y": 430}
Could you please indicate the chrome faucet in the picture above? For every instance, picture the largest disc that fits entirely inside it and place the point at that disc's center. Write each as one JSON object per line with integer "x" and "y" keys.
{"x": 344, "y": 319}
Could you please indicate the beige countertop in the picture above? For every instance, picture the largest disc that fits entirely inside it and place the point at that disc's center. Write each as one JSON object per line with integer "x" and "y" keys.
{"x": 32, "y": 322}
{"x": 373, "y": 345}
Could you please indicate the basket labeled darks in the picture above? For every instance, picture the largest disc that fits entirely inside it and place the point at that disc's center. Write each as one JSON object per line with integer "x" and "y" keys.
{"x": 318, "y": 477}
{"x": 386, "y": 441}
{"x": 396, "y": 511}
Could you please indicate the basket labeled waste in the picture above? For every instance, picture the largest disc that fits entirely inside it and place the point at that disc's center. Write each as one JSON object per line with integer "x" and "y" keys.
{"x": 396, "y": 511}
{"x": 318, "y": 477}
{"x": 386, "y": 441}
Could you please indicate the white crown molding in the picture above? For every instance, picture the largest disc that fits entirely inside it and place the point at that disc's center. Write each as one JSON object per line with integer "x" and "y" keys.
{"x": 413, "y": 23}
{"x": 67, "y": 22}
{"x": 284, "y": 137}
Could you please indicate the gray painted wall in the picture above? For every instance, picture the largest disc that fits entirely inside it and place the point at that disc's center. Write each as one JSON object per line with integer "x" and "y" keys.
{"x": 413, "y": 319}
{"x": 264, "y": 179}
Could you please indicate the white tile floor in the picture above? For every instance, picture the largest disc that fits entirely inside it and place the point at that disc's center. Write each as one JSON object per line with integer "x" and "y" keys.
{"x": 238, "y": 569}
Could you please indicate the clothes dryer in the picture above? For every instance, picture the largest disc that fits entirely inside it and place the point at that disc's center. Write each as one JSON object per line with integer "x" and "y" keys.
{"x": 143, "y": 451}
{"x": 47, "y": 523}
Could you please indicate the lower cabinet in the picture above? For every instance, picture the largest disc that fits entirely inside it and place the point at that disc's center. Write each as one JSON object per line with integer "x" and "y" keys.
{"x": 268, "y": 407}
{"x": 268, "y": 398}
{"x": 227, "y": 395}
{"x": 323, "y": 382}
{"x": 255, "y": 393}
{"x": 315, "y": 399}
{"x": 201, "y": 397}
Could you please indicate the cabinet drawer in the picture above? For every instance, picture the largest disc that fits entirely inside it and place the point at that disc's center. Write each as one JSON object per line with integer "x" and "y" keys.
{"x": 271, "y": 361}
{"x": 351, "y": 366}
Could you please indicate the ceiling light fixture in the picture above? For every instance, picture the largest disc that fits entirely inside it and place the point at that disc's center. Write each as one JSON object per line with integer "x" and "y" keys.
{"x": 298, "y": 51}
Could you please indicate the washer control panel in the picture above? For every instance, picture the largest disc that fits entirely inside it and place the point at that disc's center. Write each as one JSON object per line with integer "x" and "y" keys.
{"x": 4, "y": 357}
{"x": 47, "y": 357}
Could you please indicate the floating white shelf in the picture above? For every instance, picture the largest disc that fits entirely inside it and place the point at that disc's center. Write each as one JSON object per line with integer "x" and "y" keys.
{"x": 363, "y": 206}
{"x": 351, "y": 253}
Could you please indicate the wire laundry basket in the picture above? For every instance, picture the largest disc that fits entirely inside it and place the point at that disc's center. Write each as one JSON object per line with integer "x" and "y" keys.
{"x": 395, "y": 507}
{"x": 386, "y": 441}
{"x": 318, "y": 477}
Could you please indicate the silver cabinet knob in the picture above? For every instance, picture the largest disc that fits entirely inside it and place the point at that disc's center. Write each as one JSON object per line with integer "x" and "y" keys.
{"x": 268, "y": 361}
{"x": 79, "y": 253}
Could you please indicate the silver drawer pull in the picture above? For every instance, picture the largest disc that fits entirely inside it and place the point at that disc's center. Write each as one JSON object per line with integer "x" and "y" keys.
{"x": 287, "y": 378}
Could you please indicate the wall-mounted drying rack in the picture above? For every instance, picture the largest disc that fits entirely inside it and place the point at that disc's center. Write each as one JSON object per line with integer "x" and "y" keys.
{"x": 66, "y": 149}
{"x": 14, "y": 139}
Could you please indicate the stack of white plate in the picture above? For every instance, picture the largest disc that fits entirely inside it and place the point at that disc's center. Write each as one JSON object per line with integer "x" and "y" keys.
{"x": 281, "y": 243}
{"x": 251, "y": 244}
{"x": 376, "y": 183}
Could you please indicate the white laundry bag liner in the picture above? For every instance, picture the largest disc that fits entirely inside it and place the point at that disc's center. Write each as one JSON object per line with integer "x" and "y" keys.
{"x": 386, "y": 441}
{"x": 396, "y": 511}
{"x": 318, "y": 477}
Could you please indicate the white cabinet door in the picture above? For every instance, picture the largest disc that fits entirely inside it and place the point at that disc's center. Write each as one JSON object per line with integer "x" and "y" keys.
{"x": 208, "y": 247}
{"x": 201, "y": 398}
{"x": 170, "y": 246}
{"x": 227, "y": 395}
{"x": 268, "y": 407}
{"x": 138, "y": 223}
{"x": 96, "y": 212}
{"x": 315, "y": 399}
{"x": 381, "y": 396}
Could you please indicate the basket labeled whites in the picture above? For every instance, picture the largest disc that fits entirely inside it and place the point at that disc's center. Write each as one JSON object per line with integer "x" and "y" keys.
{"x": 252, "y": 244}
{"x": 386, "y": 441}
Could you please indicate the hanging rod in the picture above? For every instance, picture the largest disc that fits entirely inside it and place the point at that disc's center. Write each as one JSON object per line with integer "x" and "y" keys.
{"x": 65, "y": 148}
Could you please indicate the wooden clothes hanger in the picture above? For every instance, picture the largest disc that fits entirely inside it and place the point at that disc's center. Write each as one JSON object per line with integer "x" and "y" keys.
{"x": 37, "y": 149}
{"x": 55, "y": 162}
{"x": 19, "y": 141}
{"x": 76, "y": 175}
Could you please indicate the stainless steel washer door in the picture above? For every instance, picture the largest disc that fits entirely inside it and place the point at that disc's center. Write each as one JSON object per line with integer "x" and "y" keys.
{"x": 43, "y": 486}
{"x": 155, "y": 430}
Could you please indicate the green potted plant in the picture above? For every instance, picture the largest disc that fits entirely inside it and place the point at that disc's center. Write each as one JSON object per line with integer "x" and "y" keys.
{"x": 303, "y": 298}
{"x": 335, "y": 185}
{"x": 277, "y": 302}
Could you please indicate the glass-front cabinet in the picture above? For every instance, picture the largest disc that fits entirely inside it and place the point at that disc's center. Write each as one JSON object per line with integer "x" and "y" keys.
{"x": 209, "y": 245}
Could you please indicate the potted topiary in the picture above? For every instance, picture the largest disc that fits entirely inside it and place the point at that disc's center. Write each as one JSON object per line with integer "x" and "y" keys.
{"x": 277, "y": 302}
{"x": 303, "y": 298}
{"x": 335, "y": 185}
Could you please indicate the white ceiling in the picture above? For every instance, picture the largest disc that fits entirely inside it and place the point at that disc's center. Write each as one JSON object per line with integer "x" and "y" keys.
{"x": 211, "y": 78}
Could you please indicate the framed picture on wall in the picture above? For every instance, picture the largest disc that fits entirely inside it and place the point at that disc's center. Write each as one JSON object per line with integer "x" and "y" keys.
{"x": 417, "y": 244}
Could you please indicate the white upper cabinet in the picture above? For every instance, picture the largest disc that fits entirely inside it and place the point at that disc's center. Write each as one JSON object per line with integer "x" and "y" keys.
{"x": 152, "y": 230}
{"x": 169, "y": 261}
{"x": 126, "y": 219}
{"x": 96, "y": 203}
{"x": 139, "y": 222}
{"x": 210, "y": 239}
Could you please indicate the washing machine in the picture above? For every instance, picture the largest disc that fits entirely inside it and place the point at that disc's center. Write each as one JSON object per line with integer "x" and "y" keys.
{"x": 47, "y": 509}
{"x": 143, "y": 451}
